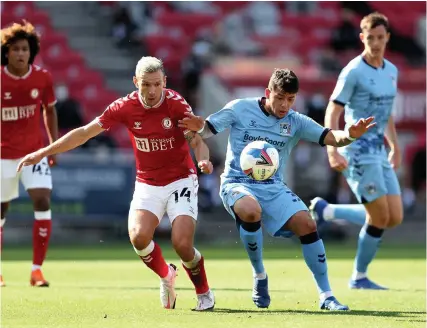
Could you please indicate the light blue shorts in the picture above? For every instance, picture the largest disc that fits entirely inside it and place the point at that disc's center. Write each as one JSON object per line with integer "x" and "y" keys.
{"x": 371, "y": 181}
{"x": 277, "y": 201}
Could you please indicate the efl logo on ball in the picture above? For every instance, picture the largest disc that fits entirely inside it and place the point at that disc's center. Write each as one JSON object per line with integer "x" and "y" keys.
{"x": 259, "y": 160}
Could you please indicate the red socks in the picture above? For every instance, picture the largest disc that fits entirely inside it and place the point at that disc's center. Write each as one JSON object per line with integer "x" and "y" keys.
{"x": 198, "y": 277}
{"x": 155, "y": 261}
{"x": 41, "y": 235}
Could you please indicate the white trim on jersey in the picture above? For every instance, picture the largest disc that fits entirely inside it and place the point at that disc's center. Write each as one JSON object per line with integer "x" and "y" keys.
{"x": 156, "y": 105}
{"x": 6, "y": 71}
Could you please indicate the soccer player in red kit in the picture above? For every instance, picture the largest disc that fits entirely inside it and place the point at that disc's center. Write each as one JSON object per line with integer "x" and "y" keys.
{"x": 25, "y": 89}
{"x": 166, "y": 178}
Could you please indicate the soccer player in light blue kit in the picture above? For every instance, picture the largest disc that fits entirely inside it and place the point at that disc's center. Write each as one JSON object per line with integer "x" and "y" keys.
{"x": 249, "y": 202}
{"x": 366, "y": 87}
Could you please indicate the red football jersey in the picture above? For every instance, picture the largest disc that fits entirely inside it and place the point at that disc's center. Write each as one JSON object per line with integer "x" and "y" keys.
{"x": 21, "y": 102}
{"x": 161, "y": 151}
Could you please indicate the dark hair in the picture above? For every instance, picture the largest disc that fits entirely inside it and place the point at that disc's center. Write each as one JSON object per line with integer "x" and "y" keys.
{"x": 17, "y": 32}
{"x": 283, "y": 80}
{"x": 374, "y": 20}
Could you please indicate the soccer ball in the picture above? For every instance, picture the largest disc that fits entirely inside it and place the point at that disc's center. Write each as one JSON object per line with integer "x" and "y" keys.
{"x": 259, "y": 160}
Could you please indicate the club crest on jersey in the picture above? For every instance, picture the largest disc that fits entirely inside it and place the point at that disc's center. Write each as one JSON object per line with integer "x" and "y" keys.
{"x": 167, "y": 123}
{"x": 285, "y": 129}
{"x": 7, "y": 95}
{"x": 34, "y": 93}
{"x": 137, "y": 125}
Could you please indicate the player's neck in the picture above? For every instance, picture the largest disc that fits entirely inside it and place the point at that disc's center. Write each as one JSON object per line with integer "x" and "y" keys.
{"x": 374, "y": 61}
{"x": 266, "y": 105}
{"x": 16, "y": 71}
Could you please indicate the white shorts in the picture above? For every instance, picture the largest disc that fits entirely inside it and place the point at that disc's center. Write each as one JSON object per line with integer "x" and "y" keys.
{"x": 32, "y": 177}
{"x": 176, "y": 198}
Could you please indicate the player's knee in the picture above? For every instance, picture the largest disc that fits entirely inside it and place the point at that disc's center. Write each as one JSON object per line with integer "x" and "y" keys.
{"x": 302, "y": 224}
{"x": 139, "y": 237}
{"x": 41, "y": 203}
{"x": 380, "y": 221}
{"x": 395, "y": 220}
{"x": 248, "y": 210}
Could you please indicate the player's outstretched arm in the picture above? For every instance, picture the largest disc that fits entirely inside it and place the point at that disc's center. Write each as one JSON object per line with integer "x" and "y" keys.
{"x": 340, "y": 138}
{"x": 71, "y": 140}
{"x": 201, "y": 152}
{"x": 196, "y": 124}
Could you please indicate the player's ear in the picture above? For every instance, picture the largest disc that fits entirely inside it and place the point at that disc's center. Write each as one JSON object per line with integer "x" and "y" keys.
{"x": 164, "y": 81}
{"x": 361, "y": 37}
{"x": 135, "y": 82}
{"x": 267, "y": 93}
{"x": 387, "y": 37}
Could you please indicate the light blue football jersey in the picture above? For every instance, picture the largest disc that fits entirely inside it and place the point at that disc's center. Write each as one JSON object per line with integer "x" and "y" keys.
{"x": 366, "y": 91}
{"x": 249, "y": 121}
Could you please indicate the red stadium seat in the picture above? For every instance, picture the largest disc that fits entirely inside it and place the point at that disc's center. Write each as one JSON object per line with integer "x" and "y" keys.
{"x": 189, "y": 23}
{"x": 60, "y": 56}
{"x": 17, "y": 9}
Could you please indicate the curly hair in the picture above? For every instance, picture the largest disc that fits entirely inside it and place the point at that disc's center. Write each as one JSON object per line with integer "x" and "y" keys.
{"x": 283, "y": 80}
{"x": 16, "y": 32}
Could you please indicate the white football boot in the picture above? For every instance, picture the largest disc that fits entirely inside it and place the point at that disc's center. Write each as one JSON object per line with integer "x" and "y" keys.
{"x": 167, "y": 288}
{"x": 205, "y": 302}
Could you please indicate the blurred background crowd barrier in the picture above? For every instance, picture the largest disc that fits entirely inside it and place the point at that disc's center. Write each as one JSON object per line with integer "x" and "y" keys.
{"x": 213, "y": 52}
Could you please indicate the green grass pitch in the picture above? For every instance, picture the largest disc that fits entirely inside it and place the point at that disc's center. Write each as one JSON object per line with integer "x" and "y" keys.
{"x": 108, "y": 286}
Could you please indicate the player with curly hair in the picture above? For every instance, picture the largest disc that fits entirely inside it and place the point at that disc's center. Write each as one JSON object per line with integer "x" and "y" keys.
{"x": 27, "y": 92}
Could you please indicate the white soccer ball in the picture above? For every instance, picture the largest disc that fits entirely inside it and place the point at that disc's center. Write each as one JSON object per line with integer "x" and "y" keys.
{"x": 259, "y": 160}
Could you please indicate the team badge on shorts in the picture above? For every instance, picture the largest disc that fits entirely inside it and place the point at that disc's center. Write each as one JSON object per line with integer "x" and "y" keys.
{"x": 285, "y": 129}
{"x": 371, "y": 188}
{"x": 167, "y": 123}
{"x": 34, "y": 93}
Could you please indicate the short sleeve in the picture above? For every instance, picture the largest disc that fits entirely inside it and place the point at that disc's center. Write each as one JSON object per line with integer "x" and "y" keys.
{"x": 49, "y": 98}
{"x": 222, "y": 119}
{"x": 111, "y": 115}
{"x": 310, "y": 130}
{"x": 345, "y": 86}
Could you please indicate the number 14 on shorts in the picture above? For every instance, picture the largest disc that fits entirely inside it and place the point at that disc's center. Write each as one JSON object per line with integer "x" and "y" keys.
{"x": 184, "y": 192}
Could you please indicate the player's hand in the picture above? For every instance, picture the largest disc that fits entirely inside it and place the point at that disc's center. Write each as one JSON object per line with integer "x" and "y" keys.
{"x": 51, "y": 159}
{"x": 337, "y": 161}
{"x": 30, "y": 159}
{"x": 395, "y": 159}
{"x": 191, "y": 122}
{"x": 361, "y": 127}
{"x": 205, "y": 166}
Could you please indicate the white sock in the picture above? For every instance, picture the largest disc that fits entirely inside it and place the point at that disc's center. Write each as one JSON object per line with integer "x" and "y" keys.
{"x": 2, "y": 222}
{"x": 43, "y": 215}
{"x": 36, "y": 267}
{"x": 191, "y": 264}
{"x": 260, "y": 276}
{"x": 325, "y": 295}
{"x": 147, "y": 250}
{"x": 328, "y": 213}
{"x": 358, "y": 275}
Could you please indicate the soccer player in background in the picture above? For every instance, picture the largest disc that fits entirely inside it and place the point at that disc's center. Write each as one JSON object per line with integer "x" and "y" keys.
{"x": 367, "y": 86}
{"x": 25, "y": 89}
{"x": 166, "y": 176}
{"x": 248, "y": 201}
